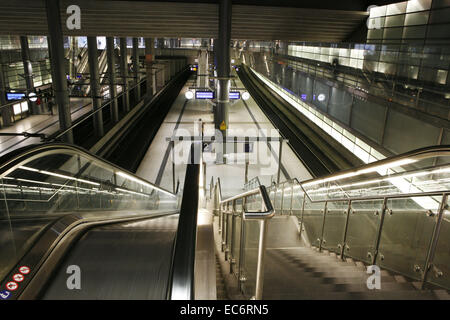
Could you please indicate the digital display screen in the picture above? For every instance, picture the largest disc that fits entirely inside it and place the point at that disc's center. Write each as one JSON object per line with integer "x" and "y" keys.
{"x": 204, "y": 95}
{"x": 235, "y": 95}
{"x": 14, "y": 96}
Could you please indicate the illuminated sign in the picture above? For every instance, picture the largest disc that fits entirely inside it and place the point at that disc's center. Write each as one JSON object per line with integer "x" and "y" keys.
{"x": 204, "y": 95}
{"x": 15, "y": 96}
{"x": 234, "y": 95}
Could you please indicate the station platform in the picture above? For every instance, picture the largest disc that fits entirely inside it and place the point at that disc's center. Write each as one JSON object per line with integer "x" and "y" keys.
{"x": 44, "y": 123}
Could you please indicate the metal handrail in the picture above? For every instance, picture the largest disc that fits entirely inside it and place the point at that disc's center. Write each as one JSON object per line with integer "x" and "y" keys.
{"x": 422, "y": 153}
{"x": 183, "y": 262}
{"x": 225, "y": 209}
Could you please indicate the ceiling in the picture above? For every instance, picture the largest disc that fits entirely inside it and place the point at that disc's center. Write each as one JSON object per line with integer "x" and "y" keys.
{"x": 319, "y": 20}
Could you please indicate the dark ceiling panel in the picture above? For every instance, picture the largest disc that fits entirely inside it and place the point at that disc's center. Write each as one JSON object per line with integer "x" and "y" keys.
{"x": 183, "y": 19}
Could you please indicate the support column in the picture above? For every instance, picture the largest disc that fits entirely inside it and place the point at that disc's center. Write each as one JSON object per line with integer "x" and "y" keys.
{"x": 6, "y": 111}
{"x": 137, "y": 90}
{"x": 112, "y": 78}
{"x": 59, "y": 81}
{"x": 149, "y": 53}
{"x": 223, "y": 73}
{"x": 73, "y": 70}
{"x": 124, "y": 74}
{"x": 202, "y": 78}
{"x": 95, "y": 84}
{"x": 28, "y": 72}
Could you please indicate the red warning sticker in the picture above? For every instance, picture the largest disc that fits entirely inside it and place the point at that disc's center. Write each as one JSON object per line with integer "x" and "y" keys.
{"x": 18, "y": 277}
{"x": 24, "y": 270}
{"x": 12, "y": 286}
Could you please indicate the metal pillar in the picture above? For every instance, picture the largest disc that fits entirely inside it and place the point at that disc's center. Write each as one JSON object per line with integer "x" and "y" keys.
{"x": 28, "y": 71}
{"x": 6, "y": 111}
{"x": 73, "y": 68}
{"x": 223, "y": 73}
{"x": 59, "y": 81}
{"x": 137, "y": 90}
{"x": 112, "y": 78}
{"x": 149, "y": 53}
{"x": 202, "y": 73}
{"x": 95, "y": 85}
{"x": 124, "y": 74}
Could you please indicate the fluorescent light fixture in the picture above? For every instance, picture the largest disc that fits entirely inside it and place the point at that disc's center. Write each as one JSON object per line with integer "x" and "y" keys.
{"x": 379, "y": 169}
{"x": 59, "y": 175}
{"x": 132, "y": 192}
{"x": 142, "y": 182}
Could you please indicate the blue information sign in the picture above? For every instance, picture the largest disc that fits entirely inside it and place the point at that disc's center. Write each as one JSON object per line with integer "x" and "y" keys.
{"x": 14, "y": 96}
{"x": 235, "y": 95}
{"x": 204, "y": 95}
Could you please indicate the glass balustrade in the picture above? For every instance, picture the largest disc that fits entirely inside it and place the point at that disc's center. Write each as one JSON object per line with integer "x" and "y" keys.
{"x": 45, "y": 183}
{"x": 393, "y": 213}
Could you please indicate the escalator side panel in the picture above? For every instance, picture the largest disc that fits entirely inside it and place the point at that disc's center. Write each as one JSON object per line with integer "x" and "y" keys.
{"x": 119, "y": 261}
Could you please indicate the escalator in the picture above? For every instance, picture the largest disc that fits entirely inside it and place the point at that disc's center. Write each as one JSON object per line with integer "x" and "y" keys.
{"x": 67, "y": 210}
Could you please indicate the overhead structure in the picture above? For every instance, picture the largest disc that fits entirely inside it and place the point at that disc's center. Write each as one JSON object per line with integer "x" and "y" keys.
{"x": 187, "y": 20}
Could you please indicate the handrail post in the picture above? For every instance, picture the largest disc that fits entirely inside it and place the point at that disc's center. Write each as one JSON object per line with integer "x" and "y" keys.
{"x": 233, "y": 232}
{"x": 434, "y": 240}
{"x": 282, "y": 199}
{"x": 224, "y": 227}
{"x": 241, "y": 276}
{"x": 344, "y": 240}
{"x": 301, "y": 218}
{"x": 260, "y": 261}
{"x": 323, "y": 225}
{"x": 292, "y": 199}
{"x": 380, "y": 229}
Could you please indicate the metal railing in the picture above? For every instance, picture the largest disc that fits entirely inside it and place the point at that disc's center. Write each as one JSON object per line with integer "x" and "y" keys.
{"x": 398, "y": 229}
{"x": 392, "y": 213}
{"x": 233, "y": 235}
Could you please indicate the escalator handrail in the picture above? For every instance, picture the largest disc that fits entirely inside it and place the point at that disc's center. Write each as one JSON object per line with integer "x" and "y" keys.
{"x": 14, "y": 159}
{"x": 181, "y": 286}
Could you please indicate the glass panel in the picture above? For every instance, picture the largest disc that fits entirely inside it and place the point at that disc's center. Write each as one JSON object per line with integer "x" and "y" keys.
{"x": 335, "y": 219}
{"x": 362, "y": 229}
{"x": 287, "y": 198}
{"x": 440, "y": 272}
{"x": 229, "y": 226}
{"x": 250, "y": 256}
{"x": 277, "y": 202}
{"x": 41, "y": 189}
{"x": 313, "y": 221}
{"x": 297, "y": 201}
{"x": 236, "y": 243}
{"x": 406, "y": 235}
